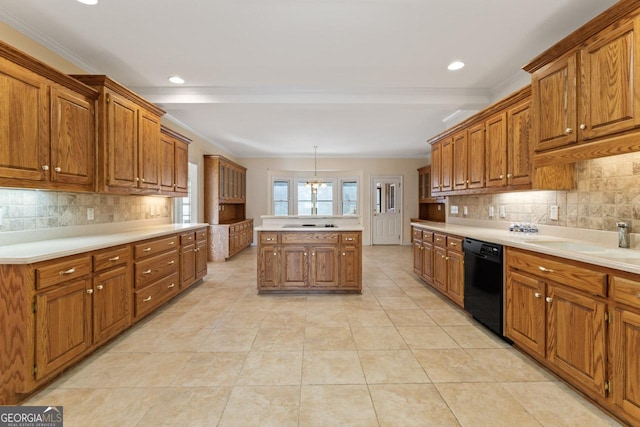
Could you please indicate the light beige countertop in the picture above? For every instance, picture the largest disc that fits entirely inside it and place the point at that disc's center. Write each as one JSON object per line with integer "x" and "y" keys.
{"x": 298, "y": 227}
{"x": 27, "y": 253}
{"x": 600, "y": 253}
{"x": 317, "y": 223}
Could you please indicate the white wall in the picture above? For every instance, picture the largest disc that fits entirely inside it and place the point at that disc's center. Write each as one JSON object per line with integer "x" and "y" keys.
{"x": 258, "y": 184}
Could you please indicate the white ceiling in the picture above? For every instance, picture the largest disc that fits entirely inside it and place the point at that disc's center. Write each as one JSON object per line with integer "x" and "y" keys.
{"x": 266, "y": 78}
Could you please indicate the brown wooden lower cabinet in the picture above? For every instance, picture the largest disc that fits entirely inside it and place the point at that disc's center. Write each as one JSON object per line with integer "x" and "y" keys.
{"x": 226, "y": 240}
{"x": 53, "y": 313}
{"x": 309, "y": 261}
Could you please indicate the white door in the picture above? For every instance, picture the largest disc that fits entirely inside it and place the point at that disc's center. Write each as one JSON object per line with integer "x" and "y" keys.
{"x": 386, "y": 197}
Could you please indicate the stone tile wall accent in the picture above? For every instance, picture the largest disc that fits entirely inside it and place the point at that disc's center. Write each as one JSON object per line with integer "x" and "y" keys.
{"x": 23, "y": 210}
{"x": 605, "y": 189}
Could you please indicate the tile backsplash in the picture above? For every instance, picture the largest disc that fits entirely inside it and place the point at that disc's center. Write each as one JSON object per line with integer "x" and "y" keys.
{"x": 606, "y": 189}
{"x": 23, "y": 210}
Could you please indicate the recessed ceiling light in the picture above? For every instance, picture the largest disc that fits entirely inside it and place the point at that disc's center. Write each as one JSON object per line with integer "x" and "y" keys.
{"x": 176, "y": 80}
{"x": 89, "y": 2}
{"x": 455, "y": 65}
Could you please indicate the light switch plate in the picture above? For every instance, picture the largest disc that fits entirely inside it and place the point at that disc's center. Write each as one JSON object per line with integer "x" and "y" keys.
{"x": 503, "y": 211}
{"x": 492, "y": 212}
{"x": 90, "y": 214}
{"x": 454, "y": 209}
{"x": 465, "y": 210}
{"x": 553, "y": 212}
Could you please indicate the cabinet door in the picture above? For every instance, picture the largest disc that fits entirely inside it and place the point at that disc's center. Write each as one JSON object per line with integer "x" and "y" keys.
{"x": 63, "y": 325}
{"x": 610, "y": 65}
{"x": 73, "y": 138}
{"x": 475, "y": 169}
{"x": 496, "y": 150}
{"x": 519, "y": 164}
{"x": 440, "y": 269}
{"x": 427, "y": 261}
{"x": 294, "y": 268}
{"x": 111, "y": 303}
{"x": 525, "y": 312}
{"x": 148, "y": 150}
{"x": 167, "y": 164}
{"x": 460, "y": 161}
{"x": 455, "y": 277}
{"x": 201, "y": 259}
{"x": 187, "y": 265}
{"x": 324, "y": 266}
{"x": 553, "y": 90}
{"x": 576, "y": 337}
{"x": 122, "y": 142}
{"x": 446, "y": 165}
{"x": 350, "y": 268}
{"x": 268, "y": 267}
{"x": 436, "y": 167}
{"x": 417, "y": 257}
{"x": 626, "y": 363}
{"x": 24, "y": 125}
{"x": 181, "y": 164}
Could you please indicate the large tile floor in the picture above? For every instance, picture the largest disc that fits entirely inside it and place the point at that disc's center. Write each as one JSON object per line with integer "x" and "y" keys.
{"x": 397, "y": 355}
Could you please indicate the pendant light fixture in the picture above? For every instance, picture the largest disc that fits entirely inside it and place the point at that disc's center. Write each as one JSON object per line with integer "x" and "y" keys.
{"x": 316, "y": 182}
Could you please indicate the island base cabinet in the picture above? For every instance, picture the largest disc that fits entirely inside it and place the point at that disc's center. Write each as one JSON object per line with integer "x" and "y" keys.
{"x": 324, "y": 267}
{"x": 63, "y": 329}
{"x": 626, "y": 362}
{"x": 268, "y": 267}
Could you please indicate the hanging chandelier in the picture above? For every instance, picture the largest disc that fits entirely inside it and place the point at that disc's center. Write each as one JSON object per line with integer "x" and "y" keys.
{"x": 316, "y": 182}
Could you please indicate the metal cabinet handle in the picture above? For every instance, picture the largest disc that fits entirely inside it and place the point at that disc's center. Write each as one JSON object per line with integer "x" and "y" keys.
{"x": 268, "y": 239}
{"x": 583, "y": 126}
{"x": 548, "y": 299}
{"x": 89, "y": 291}
{"x": 344, "y": 254}
{"x": 568, "y": 131}
{"x": 115, "y": 258}
{"x": 147, "y": 271}
{"x": 305, "y": 254}
{"x": 171, "y": 243}
{"x": 537, "y": 295}
{"x": 69, "y": 271}
{"x": 171, "y": 262}
{"x": 173, "y": 285}
{"x": 45, "y": 167}
{"x": 146, "y": 250}
{"x": 454, "y": 244}
{"x": 546, "y": 270}
{"x": 58, "y": 169}
{"x": 501, "y": 176}
{"x": 147, "y": 299}
{"x": 274, "y": 254}
{"x": 100, "y": 287}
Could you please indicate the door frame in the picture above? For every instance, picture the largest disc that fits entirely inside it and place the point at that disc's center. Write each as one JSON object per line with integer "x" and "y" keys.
{"x": 399, "y": 204}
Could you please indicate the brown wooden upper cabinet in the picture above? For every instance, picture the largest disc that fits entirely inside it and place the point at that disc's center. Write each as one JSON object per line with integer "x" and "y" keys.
{"x": 585, "y": 90}
{"x": 47, "y": 126}
{"x": 174, "y": 163}
{"x": 129, "y": 146}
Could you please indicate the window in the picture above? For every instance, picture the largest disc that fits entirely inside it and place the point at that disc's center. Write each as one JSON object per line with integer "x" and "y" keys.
{"x": 315, "y": 203}
{"x": 349, "y": 197}
{"x": 185, "y": 207}
{"x": 281, "y": 197}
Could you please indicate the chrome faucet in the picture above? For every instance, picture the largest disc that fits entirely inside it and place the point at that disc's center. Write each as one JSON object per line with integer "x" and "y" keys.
{"x": 623, "y": 234}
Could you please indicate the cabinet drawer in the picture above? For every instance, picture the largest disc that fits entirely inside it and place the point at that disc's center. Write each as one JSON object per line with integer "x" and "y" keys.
{"x": 187, "y": 238}
{"x": 268, "y": 238}
{"x": 153, "y": 247}
{"x": 310, "y": 238}
{"x": 350, "y": 238}
{"x": 454, "y": 243}
{"x": 576, "y": 276}
{"x": 58, "y": 271}
{"x": 149, "y": 298}
{"x": 626, "y": 291}
{"x": 151, "y": 269}
{"x": 110, "y": 258}
{"x": 440, "y": 239}
{"x": 427, "y": 236}
{"x": 417, "y": 234}
{"x": 201, "y": 235}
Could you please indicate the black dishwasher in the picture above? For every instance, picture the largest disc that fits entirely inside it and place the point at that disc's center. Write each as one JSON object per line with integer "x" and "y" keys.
{"x": 483, "y": 283}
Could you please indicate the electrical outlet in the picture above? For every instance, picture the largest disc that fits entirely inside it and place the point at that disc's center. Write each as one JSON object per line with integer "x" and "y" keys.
{"x": 439, "y": 208}
{"x": 153, "y": 210}
{"x": 553, "y": 212}
{"x": 465, "y": 210}
{"x": 454, "y": 210}
{"x": 503, "y": 211}
{"x": 492, "y": 212}
{"x": 90, "y": 214}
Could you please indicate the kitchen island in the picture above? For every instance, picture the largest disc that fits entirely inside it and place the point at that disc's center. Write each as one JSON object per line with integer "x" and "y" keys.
{"x": 309, "y": 256}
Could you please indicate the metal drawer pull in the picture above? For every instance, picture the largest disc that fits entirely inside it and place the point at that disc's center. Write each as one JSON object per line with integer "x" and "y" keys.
{"x": 344, "y": 254}
{"x": 69, "y": 271}
{"x": 274, "y": 254}
{"x": 548, "y": 299}
{"x": 349, "y": 239}
{"x": 147, "y": 299}
{"x": 115, "y": 258}
{"x": 58, "y": 169}
{"x": 546, "y": 270}
{"x": 453, "y": 244}
{"x": 268, "y": 239}
{"x": 638, "y": 295}
{"x": 537, "y": 295}
{"x": 173, "y": 285}
{"x": 146, "y": 250}
{"x": 147, "y": 271}
{"x": 172, "y": 243}
{"x": 171, "y": 262}
{"x": 89, "y": 291}
{"x": 100, "y": 287}
{"x": 45, "y": 167}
